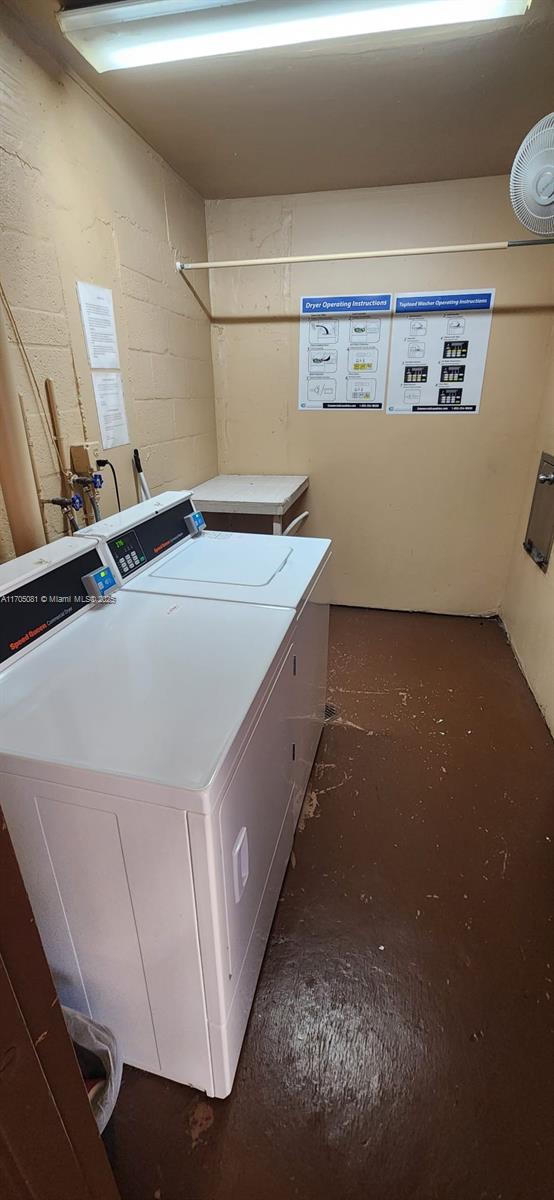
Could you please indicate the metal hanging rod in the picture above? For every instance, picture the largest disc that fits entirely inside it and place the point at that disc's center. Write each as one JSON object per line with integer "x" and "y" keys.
{"x": 359, "y": 254}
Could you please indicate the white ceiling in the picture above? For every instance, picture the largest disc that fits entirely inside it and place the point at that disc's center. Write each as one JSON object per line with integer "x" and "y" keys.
{"x": 356, "y": 113}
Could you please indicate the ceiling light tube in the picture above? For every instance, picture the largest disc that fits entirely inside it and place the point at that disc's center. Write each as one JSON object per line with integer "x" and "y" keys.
{"x": 120, "y": 36}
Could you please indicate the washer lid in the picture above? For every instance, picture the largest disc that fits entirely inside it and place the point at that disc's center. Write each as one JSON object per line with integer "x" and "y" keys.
{"x": 274, "y": 570}
{"x": 225, "y": 559}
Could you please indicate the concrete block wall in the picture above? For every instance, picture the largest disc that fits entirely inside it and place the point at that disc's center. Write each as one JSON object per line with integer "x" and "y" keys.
{"x": 82, "y": 197}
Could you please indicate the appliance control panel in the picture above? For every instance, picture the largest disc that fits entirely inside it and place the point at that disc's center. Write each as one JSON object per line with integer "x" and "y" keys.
{"x": 34, "y": 609}
{"x": 127, "y": 553}
{"x": 100, "y": 583}
{"x": 195, "y": 523}
{"x": 132, "y": 548}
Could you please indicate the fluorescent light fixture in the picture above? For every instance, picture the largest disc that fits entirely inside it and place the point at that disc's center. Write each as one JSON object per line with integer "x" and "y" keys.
{"x": 137, "y": 33}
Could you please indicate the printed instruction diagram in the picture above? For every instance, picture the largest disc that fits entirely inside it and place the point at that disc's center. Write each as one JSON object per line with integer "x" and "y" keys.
{"x": 344, "y": 344}
{"x": 439, "y": 351}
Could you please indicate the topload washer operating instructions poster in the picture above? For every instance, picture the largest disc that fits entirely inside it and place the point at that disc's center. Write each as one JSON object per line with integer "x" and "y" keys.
{"x": 344, "y": 349}
{"x": 438, "y": 351}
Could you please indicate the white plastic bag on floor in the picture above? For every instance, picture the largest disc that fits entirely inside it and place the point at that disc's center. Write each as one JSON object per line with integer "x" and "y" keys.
{"x": 100, "y": 1041}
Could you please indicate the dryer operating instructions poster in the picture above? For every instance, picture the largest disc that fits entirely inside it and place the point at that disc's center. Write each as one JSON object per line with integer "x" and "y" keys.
{"x": 344, "y": 350}
{"x": 438, "y": 351}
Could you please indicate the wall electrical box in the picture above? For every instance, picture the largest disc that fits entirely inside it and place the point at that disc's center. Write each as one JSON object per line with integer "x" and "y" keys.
{"x": 540, "y": 529}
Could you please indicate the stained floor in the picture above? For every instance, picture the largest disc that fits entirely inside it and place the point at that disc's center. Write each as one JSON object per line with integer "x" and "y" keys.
{"x": 401, "y": 1043}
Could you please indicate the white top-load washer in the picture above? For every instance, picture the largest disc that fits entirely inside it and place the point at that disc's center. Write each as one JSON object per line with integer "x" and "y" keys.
{"x": 151, "y": 549}
{"x": 147, "y": 776}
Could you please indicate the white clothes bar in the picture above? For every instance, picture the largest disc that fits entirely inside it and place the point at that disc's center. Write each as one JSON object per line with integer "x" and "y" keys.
{"x": 360, "y": 254}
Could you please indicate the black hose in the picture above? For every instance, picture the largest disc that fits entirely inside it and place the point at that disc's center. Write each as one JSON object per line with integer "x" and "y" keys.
{"x": 105, "y": 462}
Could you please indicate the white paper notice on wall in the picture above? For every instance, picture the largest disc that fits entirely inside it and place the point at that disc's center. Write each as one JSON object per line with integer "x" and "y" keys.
{"x": 344, "y": 347}
{"x": 97, "y": 316}
{"x": 439, "y": 351}
{"x": 110, "y": 405}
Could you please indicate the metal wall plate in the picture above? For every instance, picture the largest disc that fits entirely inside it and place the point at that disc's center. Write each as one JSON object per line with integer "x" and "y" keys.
{"x": 540, "y": 529}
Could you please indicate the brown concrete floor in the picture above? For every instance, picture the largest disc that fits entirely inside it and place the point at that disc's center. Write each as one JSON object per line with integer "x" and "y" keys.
{"x": 401, "y": 1043}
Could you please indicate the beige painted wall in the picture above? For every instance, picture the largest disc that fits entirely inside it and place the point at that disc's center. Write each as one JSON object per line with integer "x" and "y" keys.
{"x": 422, "y": 510}
{"x": 528, "y": 605}
{"x": 83, "y": 197}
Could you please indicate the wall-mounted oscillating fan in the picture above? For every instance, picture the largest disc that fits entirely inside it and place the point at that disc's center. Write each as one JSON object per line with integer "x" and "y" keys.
{"x": 532, "y": 179}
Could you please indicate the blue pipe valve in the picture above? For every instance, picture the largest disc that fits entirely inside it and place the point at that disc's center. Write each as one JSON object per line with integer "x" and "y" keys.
{"x": 97, "y": 481}
{"x": 76, "y": 502}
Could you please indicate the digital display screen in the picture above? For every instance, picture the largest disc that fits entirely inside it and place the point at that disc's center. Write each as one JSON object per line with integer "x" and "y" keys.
{"x": 31, "y": 611}
{"x": 128, "y": 553}
{"x": 144, "y": 543}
